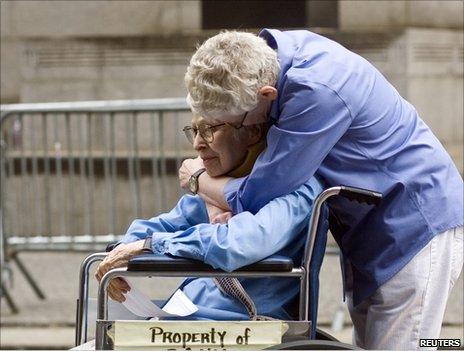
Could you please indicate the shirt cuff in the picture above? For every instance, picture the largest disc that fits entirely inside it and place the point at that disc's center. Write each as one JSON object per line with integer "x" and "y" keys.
{"x": 160, "y": 242}
{"x": 230, "y": 194}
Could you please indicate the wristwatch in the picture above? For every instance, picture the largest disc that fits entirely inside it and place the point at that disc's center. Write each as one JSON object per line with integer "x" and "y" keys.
{"x": 147, "y": 245}
{"x": 193, "y": 181}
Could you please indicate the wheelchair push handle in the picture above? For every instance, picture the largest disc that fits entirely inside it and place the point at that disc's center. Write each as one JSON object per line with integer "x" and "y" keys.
{"x": 361, "y": 195}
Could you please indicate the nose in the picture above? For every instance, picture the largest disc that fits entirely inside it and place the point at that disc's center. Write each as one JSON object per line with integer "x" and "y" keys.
{"x": 199, "y": 143}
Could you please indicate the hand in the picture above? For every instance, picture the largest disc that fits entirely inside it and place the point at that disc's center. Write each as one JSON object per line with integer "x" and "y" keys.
{"x": 217, "y": 214}
{"x": 222, "y": 218}
{"x": 189, "y": 166}
{"x": 117, "y": 258}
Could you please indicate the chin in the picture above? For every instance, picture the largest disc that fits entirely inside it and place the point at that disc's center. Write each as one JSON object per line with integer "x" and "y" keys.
{"x": 214, "y": 171}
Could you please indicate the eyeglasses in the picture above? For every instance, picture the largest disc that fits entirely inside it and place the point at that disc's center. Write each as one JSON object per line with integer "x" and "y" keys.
{"x": 207, "y": 131}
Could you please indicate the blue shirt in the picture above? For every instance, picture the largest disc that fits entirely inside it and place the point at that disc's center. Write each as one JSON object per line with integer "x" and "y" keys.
{"x": 280, "y": 227}
{"x": 338, "y": 116}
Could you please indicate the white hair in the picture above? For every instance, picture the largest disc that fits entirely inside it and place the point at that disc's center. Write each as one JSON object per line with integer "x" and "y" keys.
{"x": 226, "y": 73}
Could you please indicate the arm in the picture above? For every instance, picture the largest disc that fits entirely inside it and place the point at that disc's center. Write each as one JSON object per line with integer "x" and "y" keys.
{"x": 246, "y": 238}
{"x": 312, "y": 120}
{"x": 210, "y": 189}
{"x": 190, "y": 210}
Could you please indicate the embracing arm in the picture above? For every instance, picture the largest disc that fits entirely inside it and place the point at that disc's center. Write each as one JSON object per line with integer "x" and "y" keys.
{"x": 312, "y": 120}
{"x": 246, "y": 238}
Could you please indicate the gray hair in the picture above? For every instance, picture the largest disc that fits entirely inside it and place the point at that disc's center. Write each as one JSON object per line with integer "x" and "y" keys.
{"x": 226, "y": 73}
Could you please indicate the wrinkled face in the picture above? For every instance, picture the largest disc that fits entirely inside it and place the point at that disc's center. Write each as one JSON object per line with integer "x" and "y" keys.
{"x": 227, "y": 150}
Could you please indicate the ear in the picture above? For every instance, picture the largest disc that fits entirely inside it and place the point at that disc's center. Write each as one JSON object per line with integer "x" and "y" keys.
{"x": 268, "y": 93}
{"x": 254, "y": 133}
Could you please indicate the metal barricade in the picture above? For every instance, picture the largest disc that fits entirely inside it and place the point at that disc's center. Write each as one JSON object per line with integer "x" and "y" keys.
{"x": 74, "y": 175}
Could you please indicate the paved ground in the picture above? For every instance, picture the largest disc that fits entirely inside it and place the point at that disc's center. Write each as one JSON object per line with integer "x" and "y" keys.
{"x": 48, "y": 324}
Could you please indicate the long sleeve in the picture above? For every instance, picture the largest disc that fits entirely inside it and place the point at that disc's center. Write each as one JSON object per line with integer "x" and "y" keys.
{"x": 312, "y": 119}
{"x": 189, "y": 211}
{"x": 246, "y": 238}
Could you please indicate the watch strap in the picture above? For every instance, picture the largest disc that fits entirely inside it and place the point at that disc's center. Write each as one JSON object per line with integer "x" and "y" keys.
{"x": 147, "y": 245}
{"x": 194, "y": 177}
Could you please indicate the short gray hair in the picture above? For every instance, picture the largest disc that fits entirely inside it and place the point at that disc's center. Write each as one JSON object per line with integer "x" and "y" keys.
{"x": 226, "y": 72}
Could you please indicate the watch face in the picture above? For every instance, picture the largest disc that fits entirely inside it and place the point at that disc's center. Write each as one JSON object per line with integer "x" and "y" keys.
{"x": 193, "y": 185}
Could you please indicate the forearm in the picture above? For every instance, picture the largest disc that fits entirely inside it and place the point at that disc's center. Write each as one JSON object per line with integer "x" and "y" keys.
{"x": 211, "y": 189}
{"x": 192, "y": 206}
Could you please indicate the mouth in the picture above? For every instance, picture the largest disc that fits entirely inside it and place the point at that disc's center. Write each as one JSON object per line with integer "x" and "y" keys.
{"x": 208, "y": 160}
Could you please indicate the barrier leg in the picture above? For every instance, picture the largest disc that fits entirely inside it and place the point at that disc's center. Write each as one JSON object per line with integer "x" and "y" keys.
{"x": 28, "y": 277}
{"x": 9, "y": 301}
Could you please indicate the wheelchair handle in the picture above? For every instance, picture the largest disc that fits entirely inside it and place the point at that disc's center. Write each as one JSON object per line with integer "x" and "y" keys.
{"x": 352, "y": 194}
{"x": 360, "y": 195}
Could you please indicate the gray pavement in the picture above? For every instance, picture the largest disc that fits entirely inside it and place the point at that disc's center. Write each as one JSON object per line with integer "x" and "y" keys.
{"x": 49, "y": 323}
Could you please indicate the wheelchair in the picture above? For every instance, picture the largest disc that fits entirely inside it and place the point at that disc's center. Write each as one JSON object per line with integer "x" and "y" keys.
{"x": 300, "y": 334}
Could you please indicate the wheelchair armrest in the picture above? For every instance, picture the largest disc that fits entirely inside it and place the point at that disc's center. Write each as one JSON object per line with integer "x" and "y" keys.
{"x": 165, "y": 263}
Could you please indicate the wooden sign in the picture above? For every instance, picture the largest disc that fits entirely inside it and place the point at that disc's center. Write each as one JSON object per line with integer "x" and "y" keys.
{"x": 197, "y": 335}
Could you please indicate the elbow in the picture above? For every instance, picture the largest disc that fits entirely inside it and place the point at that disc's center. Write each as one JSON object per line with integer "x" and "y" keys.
{"x": 226, "y": 259}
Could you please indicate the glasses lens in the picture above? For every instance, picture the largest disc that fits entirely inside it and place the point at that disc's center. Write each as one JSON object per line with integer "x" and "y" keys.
{"x": 189, "y": 133}
{"x": 206, "y": 133}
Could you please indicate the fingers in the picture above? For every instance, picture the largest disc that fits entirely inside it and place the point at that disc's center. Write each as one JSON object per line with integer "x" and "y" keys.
{"x": 116, "y": 295}
{"x": 100, "y": 272}
{"x": 115, "y": 259}
{"x": 120, "y": 284}
{"x": 102, "y": 268}
{"x": 117, "y": 288}
{"x": 222, "y": 218}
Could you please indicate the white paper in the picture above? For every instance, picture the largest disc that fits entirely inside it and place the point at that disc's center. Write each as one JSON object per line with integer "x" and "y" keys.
{"x": 140, "y": 305}
{"x": 179, "y": 304}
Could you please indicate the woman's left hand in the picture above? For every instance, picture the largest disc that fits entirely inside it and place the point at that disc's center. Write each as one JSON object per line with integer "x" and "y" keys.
{"x": 117, "y": 258}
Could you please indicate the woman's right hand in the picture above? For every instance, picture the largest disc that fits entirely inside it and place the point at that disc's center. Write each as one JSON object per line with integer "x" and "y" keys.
{"x": 189, "y": 167}
{"x": 222, "y": 218}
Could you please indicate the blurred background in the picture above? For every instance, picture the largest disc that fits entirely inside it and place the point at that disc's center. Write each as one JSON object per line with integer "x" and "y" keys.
{"x": 76, "y": 173}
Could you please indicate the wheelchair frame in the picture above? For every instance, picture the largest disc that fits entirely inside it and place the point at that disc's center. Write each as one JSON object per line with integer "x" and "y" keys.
{"x": 297, "y": 329}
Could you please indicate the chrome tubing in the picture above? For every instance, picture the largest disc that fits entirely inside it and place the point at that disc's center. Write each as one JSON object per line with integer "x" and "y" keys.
{"x": 309, "y": 246}
{"x": 83, "y": 301}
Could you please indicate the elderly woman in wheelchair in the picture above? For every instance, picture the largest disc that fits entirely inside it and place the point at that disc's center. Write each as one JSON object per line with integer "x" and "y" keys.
{"x": 197, "y": 229}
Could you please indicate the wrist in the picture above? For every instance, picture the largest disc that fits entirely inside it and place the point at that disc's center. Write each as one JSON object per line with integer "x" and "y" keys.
{"x": 193, "y": 182}
{"x": 138, "y": 246}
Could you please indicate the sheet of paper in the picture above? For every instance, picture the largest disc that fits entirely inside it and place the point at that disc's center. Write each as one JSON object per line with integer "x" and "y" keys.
{"x": 139, "y": 304}
{"x": 180, "y": 305}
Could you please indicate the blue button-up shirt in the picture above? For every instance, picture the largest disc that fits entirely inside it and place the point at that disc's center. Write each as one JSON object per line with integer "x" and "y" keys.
{"x": 338, "y": 116}
{"x": 280, "y": 228}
